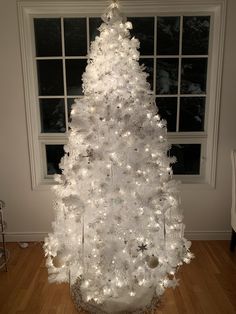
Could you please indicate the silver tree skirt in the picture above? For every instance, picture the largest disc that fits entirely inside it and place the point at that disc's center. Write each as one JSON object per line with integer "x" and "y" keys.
{"x": 93, "y": 307}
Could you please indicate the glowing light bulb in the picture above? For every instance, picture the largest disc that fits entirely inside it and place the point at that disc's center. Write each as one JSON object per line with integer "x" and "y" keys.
{"x": 187, "y": 260}
{"x": 119, "y": 284}
{"x": 190, "y": 255}
{"x": 142, "y": 282}
{"x": 86, "y": 283}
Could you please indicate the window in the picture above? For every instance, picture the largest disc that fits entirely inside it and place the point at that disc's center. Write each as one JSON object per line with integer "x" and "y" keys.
{"x": 176, "y": 49}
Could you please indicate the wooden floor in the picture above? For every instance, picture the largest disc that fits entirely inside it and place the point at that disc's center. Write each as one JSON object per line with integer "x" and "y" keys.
{"x": 207, "y": 285}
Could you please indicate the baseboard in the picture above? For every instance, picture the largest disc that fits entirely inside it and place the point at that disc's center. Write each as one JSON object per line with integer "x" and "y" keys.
{"x": 25, "y": 236}
{"x": 191, "y": 235}
{"x": 208, "y": 235}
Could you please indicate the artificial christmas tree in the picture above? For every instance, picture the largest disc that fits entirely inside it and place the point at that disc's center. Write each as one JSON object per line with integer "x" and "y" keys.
{"x": 118, "y": 234}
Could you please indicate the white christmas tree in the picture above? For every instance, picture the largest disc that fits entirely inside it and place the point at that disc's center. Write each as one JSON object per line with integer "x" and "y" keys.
{"x": 118, "y": 233}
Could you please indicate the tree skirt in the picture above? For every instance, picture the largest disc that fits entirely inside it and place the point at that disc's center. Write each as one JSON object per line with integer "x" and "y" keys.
{"x": 143, "y": 302}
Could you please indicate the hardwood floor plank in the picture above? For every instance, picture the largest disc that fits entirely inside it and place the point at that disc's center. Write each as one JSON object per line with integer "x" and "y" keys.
{"x": 207, "y": 285}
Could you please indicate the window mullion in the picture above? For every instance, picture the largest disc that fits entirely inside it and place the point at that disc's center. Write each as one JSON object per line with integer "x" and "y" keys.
{"x": 64, "y": 71}
{"x": 88, "y": 41}
{"x": 155, "y": 56}
{"x": 179, "y": 73}
{"x": 51, "y": 96}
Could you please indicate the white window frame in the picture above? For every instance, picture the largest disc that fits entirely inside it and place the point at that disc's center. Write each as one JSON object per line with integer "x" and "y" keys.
{"x": 27, "y": 10}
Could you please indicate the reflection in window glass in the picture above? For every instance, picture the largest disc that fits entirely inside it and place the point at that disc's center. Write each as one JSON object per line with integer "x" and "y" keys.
{"x": 74, "y": 72}
{"x": 54, "y": 153}
{"x": 47, "y": 37}
{"x": 188, "y": 158}
{"x": 75, "y": 36}
{"x": 70, "y": 102}
{"x": 193, "y": 75}
{"x": 196, "y": 35}
{"x": 168, "y": 35}
{"x": 148, "y": 63}
{"x": 192, "y": 114}
{"x": 50, "y": 77}
{"x": 52, "y": 113}
{"x": 168, "y": 111}
{"x": 94, "y": 24}
{"x": 167, "y": 76}
{"x": 143, "y": 30}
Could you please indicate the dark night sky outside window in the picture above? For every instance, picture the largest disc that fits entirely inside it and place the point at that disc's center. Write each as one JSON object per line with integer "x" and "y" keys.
{"x": 174, "y": 51}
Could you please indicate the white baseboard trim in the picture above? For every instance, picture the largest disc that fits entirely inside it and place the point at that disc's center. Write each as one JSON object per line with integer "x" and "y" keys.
{"x": 208, "y": 235}
{"x": 25, "y": 236}
{"x": 190, "y": 235}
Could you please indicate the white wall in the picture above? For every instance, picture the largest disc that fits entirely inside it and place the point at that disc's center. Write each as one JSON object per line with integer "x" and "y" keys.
{"x": 29, "y": 213}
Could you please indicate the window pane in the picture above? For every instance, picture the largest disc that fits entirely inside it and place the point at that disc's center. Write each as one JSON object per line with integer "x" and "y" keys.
{"x": 74, "y": 71}
{"x": 94, "y": 24}
{"x": 75, "y": 36}
{"x": 194, "y": 75}
{"x": 192, "y": 114}
{"x": 47, "y": 37}
{"x": 148, "y": 63}
{"x": 196, "y": 35}
{"x": 168, "y": 35}
{"x": 50, "y": 77}
{"x": 167, "y": 76}
{"x": 52, "y": 114}
{"x": 143, "y": 30}
{"x": 188, "y": 158}
{"x": 54, "y": 153}
{"x": 168, "y": 110}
